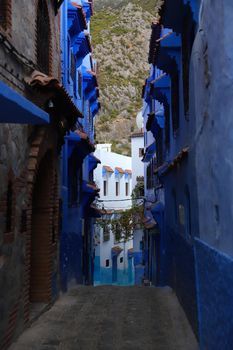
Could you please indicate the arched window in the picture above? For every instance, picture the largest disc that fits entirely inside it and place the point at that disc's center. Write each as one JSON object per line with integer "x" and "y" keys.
{"x": 187, "y": 212}
{"x": 42, "y": 37}
{"x": 9, "y": 203}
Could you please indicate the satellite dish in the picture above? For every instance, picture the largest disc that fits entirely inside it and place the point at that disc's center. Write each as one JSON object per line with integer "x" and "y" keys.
{"x": 139, "y": 120}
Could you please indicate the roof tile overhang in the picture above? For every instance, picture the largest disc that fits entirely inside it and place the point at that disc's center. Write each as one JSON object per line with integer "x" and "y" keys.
{"x": 128, "y": 171}
{"x": 50, "y": 88}
{"x": 154, "y": 44}
{"x": 116, "y": 250}
{"x": 150, "y": 152}
{"x": 137, "y": 134}
{"x": 165, "y": 168}
{"x": 119, "y": 170}
{"x": 108, "y": 169}
{"x": 93, "y": 162}
{"x": 77, "y": 19}
{"x": 85, "y": 138}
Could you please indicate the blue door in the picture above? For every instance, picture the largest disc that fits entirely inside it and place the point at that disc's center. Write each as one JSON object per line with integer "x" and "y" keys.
{"x": 114, "y": 269}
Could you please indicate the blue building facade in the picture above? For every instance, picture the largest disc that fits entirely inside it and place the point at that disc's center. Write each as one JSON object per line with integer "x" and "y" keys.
{"x": 190, "y": 202}
{"x": 78, "y": 162}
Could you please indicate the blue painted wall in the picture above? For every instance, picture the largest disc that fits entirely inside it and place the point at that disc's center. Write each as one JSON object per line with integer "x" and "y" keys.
{"x": 76, "y": 248}
{"x": 105, "y": 275}
{"x": 215, "y": 297}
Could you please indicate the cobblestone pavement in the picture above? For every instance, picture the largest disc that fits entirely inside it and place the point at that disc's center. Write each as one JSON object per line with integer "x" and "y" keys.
{"x": 111, "y": 318}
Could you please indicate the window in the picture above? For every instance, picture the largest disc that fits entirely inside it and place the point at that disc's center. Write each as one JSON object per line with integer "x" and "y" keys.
{"x": 141, "y": 152}
{"x": 79, "y": 84}
{"x": 117, "y": 188}
{"x": 74, "y": 180}
{"x": 105, "y": 188}
{"x": 9, "y": 199}
{"x": 121, "y": 260}
{"x": 107, "y": 263}
{"x": 73, "y": 74}
{"x": 126, "y": 188}
{"x": 106, "y": 233}
{"x": 149, "y": 176}
{"x": 43, "y": 37}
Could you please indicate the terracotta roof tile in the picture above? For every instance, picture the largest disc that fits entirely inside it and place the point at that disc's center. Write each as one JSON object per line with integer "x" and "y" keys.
{"x": 49, "y": 83}
{"x": 108, "y": 168}
{"x": 117, "y": 249}
{"x": 128, "y": 171}
{"x": 120, "y": 170}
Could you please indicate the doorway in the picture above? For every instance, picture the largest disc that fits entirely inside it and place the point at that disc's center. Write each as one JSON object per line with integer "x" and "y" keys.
{"x": 40, "y": 291}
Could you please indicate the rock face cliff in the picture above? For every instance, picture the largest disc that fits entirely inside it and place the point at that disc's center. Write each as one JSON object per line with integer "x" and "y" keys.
{"x": 120, "y": 35}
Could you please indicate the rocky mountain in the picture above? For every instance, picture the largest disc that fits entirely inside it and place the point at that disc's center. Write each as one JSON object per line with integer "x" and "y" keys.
{"x": 120, "y": 35}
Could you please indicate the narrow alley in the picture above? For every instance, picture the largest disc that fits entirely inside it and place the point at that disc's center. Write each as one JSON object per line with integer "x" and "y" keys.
{"x": 107, "y": 317}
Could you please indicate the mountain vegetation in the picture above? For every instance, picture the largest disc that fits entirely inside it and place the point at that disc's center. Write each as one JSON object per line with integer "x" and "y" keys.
{"x": 120, "y": 35}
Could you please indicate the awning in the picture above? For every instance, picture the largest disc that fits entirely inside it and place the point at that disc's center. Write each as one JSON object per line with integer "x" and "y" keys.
{"x": 89, "y": 82}
{"x": 93, "y": 162}
{"x": 81, "y": 47}
{"x": 76, "y": 19}
{"x": 128, "y": 172}
{"x": 150, "y": 152}
{"x": 87, "y": 7}
{"x": 15, "y": 108}
{"x": 107, "y": 169}
{"x": 149, "y": 223}
{"x": 119, "y": 171}
{"x": 116, "y": 251}
{"x": 157, "y": 211}
{"x": 49, "y": 88}
{"x": 94, "y": 107}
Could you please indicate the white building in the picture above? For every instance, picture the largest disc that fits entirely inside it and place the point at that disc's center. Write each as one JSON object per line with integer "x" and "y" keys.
{"x": 113, "y": 260}
{"x": 137, "y": 150}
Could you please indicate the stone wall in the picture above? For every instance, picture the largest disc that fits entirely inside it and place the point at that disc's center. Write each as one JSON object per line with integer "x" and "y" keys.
{"x": 22, "y": 148}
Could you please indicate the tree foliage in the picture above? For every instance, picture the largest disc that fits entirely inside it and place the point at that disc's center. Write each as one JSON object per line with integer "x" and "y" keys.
{"x": 122, "y": 224}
